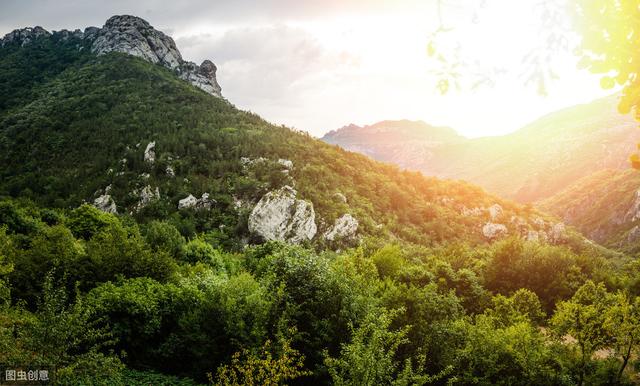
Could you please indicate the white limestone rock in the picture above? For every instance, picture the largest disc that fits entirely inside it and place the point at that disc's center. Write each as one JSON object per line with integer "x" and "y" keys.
{"x": 106, "y": 204}
{"x": 170, "y": 172}
{"x": 134, "y": 36}
{"x": 492, "y": 230}
{"x": 344, "y": 228}
{"x": 147, "y": 195}
{"x": 471, "y": 212}
{"x": 188, "y": 202}
{"x": 495, "y": 211}
{"x": 557, "y": 233}
{"x": 279, "y": 215}
{"x": 191, "y": 202}
{"x": 150, "y": 153}
{"x": 23, "y": 36}
{"x": 202, "y": 76}
{"x": 288, "y": 164}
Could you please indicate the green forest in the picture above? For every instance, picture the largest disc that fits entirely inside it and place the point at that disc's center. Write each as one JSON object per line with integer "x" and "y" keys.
{"x": 162, "y": 295}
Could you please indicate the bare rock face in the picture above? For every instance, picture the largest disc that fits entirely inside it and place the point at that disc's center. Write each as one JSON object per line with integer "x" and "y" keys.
{"x": 134, "y": 36}
{"x": 279, "y": 215}
{"x": 344, "y": 228}
{"x": 492, "y": 230}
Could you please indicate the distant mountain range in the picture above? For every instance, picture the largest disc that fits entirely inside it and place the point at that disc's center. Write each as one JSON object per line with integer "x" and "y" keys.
{"x": 528, "y": 165}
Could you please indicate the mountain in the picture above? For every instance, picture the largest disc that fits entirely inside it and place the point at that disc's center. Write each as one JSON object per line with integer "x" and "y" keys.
{"x": 153, "y": 233}
{"x": 605, "y": 206}
{"x": 528, "y": 165}
{"x": 113, "y": 120}
{"x": 404, "y": 143}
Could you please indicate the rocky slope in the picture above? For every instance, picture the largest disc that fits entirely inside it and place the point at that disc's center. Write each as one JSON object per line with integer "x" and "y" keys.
{"x": 130, "y": 35}
{"x": 530, "y": 164}
{"x": 605, "y": 206}
{"x": 115, "y": 125}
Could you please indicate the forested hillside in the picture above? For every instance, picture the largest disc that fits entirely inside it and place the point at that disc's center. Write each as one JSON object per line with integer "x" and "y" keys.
{"x": 152, "y": 233}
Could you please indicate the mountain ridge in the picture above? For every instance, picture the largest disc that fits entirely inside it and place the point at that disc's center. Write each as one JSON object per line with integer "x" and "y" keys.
{"x": 130, "y": 35}
{"x": 527, "y": 165}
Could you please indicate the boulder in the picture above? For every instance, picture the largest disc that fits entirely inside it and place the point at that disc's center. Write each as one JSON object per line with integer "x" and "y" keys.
{"x": 492, "y": 230}
{"x": 191, "y": 202}
{"x": 288, "y": 164}
{"x": 279, "y": 215}
{"x": 106, "y": 204}
{"x": 345, "y": 227}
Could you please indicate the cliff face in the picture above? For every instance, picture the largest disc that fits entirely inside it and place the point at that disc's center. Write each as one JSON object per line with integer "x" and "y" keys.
{"x": 133, "y": 36}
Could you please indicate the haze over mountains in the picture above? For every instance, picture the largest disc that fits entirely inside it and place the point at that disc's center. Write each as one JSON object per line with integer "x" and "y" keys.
{"x": 527, "y": 165}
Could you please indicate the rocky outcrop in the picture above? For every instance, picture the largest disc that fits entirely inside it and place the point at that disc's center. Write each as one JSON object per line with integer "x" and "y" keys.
{"x": 202, "y": 76}
{"x": 557, "y": 233}
{"x": 344, "y": 228}
{"x": 147, "y": 195}
{"x": 279, "y": 215}
{"x": 191, "y": 202}
{"x": 150, "y": 153}
{"x": 23, "y": 36}
{"x": 492, "y": 230}
{"x": 287, "y": 164}
{"x": 495, "y": 211}
{"x": 106, "y": 204}
{"x": 133, "y": 36}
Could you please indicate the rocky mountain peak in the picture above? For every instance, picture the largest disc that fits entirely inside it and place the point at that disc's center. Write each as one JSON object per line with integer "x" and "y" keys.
{"x": 134, "y": 36}
{"x": 23, "y": 36}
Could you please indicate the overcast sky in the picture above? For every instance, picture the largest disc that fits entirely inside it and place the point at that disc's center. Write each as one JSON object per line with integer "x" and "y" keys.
{"x": 321, "y": 64}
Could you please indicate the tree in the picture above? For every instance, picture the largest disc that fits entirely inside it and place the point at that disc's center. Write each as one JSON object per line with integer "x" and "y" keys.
{"x": 263, "y": 368}
{"x": 622, "y": 321}
{"x": 369, "y": 359}
{"x": 610, "y": 46}
{"x": 583, "y": 319}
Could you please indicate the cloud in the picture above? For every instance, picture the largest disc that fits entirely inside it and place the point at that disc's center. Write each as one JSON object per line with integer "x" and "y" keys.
{"x": 267, "y": 67}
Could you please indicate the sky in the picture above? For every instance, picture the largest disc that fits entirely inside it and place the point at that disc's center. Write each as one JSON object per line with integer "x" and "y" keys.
{"x": 317, "y": 65}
